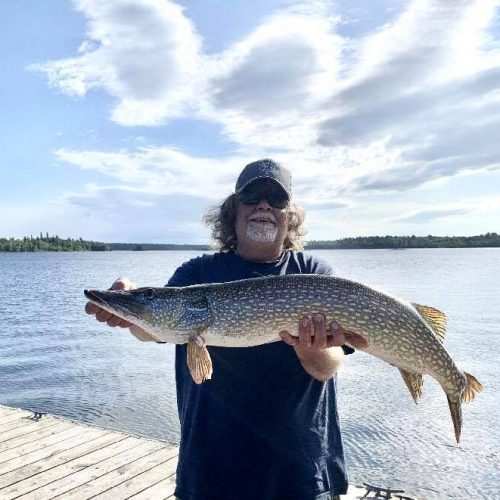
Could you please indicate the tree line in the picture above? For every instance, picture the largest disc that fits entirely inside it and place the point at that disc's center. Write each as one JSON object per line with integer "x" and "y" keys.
{"x": 155, "y": 246}
{"x": 402, "y": 242}
{"x": 49, "y": 243}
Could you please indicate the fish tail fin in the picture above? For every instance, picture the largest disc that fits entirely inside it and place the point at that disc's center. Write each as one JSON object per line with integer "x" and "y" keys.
{"x": 472, "y": 388}
{"x": 414, "y": 382}
{"x": 456, "y": 416}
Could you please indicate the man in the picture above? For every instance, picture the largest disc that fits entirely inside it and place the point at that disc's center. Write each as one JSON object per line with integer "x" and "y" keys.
{"x": 266, "y": 426}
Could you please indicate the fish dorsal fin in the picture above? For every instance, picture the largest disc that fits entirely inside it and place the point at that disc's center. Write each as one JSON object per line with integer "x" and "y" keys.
{"x": 436, "y": 319}
{"x": 414, "y": 382}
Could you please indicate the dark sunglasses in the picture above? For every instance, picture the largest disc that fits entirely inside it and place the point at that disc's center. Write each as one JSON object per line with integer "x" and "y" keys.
{"x": 275, "y": 197}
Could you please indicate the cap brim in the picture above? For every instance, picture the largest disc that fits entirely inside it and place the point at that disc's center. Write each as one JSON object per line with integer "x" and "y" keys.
{"x": 244, "y": 186}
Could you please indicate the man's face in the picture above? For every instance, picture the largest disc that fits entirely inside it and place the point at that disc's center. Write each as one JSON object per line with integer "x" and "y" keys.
{"x": 262, "y": 215}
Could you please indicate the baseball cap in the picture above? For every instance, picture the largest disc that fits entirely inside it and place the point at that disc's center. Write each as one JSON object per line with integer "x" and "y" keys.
{"x": 265, "y": 169}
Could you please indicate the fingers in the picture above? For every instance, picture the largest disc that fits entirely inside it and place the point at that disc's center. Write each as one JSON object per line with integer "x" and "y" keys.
{"x": 124, "y": 324}
{"x": 123, "y": 284}
{"x": 103, "y": 316}
{"x": 336, "y": 336}
{"x": 319, "y": 339}
{"x": 306, "y": 339}
{"x": 305, "y": 332}
{"x": 315, "y": 335}
{"x": 112, "y": 320}
{"x": 289, "y": 339}
{"x": 91, "y": 308}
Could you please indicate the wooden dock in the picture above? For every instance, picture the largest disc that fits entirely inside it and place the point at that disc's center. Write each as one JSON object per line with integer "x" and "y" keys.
{"x": 44, "y": 457}
{"x": 51, "y": 457}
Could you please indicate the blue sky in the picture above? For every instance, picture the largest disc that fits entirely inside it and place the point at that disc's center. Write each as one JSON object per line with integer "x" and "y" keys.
{"x": 124, "y": 120}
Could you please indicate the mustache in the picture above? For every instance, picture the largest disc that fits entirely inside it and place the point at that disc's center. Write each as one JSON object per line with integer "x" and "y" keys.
{"x": 268, "y": 217}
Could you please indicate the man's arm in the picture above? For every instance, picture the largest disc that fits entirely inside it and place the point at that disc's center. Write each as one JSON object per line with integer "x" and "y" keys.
{"x": 320, "y": 354}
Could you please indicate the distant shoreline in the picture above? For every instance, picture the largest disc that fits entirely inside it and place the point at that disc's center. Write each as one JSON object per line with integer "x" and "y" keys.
{"x": 55, "y": 244}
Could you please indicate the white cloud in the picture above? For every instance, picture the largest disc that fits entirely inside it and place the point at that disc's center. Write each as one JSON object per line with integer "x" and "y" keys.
{"x": 290, "y": 58}
{"x": 162, "y": 170}
{"x": 425, "y": 85}
{"x": 265, "y": 89}
{"x": 123, "y": 213}
{"x": 425, "y": 216}
{"x": 144, "y": 53}
{"x": 292, "y": 83}
{"x": 399, "y": 215}
{"x": 413, "y": 103}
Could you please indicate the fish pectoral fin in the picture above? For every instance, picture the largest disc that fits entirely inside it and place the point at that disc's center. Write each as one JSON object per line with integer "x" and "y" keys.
{"x": 414, "y": 382}
{"x": 198, "y": 360}
{"x": 355, "y": 340}
{"x": 435, "y": 318}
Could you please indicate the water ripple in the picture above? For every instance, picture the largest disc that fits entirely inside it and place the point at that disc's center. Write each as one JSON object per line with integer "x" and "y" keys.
{"x": 54, "y": 358}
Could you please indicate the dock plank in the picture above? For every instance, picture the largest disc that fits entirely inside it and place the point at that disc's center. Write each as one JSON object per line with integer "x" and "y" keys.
{"x": 47, "y": 451}
{"x": 40, "y": 433}
{"x": 5, "y": 411}
{"x": 33, "y": 446}
{"x": 141, "y": 482}
{"x": 10, "y": 418}
{"x": 26, "y": 479}
{"x": 161, "y": 491}
{"x": 26, "y": 428}
{"x": 52, "y": 457}
{"x": 14, "y": 424}
{"x": 88, "y": 467}
{"x": 109, "y": 481}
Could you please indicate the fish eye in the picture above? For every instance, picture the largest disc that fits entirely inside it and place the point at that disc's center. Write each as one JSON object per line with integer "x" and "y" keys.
{"x": 149, "y": 293}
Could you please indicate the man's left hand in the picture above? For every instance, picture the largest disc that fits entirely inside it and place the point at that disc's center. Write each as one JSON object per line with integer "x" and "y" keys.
{"x": 315, "y": 335}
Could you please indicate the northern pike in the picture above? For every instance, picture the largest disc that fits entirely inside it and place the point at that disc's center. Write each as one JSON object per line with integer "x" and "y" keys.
{"x": 252, "y": 312}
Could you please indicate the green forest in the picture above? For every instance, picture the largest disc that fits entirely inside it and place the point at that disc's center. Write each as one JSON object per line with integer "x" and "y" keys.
{"x": 155, "y": 246}
{"x": 402, "y": 242}
{"x": 49, "y": 243}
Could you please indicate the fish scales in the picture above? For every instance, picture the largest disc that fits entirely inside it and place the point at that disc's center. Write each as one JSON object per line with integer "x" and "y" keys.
{"x": 376, "y": 316}
{"x": 252, "y": 312}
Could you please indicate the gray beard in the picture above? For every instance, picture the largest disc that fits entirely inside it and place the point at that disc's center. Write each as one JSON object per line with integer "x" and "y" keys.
{"x": 261, "y": 233}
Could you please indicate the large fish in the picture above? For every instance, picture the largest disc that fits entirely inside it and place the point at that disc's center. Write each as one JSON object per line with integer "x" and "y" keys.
{"x": 253, "y": 312}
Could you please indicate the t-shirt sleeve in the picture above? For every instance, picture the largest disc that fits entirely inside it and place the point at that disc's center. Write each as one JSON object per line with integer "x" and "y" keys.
{"x": 321, "y": 266}
{"x": 187, "y": 274}
{"x": 316, "y": 265}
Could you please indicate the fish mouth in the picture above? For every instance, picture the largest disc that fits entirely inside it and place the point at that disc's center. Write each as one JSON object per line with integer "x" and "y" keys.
{"x": 116, "y": 302}
{"x": 93, "y": 296}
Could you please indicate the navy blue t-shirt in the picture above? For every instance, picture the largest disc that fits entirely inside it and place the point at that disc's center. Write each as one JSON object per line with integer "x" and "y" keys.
{"x": 262, "y": 428}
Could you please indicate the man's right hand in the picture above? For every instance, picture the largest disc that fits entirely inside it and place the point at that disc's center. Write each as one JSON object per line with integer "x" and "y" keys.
{"x": 112, "y": 320}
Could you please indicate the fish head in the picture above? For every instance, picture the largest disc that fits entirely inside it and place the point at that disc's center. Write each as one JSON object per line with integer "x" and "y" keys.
{"x": 153, "y": 309}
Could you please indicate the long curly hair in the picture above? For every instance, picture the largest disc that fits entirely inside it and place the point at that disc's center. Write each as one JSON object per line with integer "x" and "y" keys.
{"x": 221, "y": 220}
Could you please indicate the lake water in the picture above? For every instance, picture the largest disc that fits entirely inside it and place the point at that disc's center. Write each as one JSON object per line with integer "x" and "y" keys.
{"x": 55, "y": 358}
